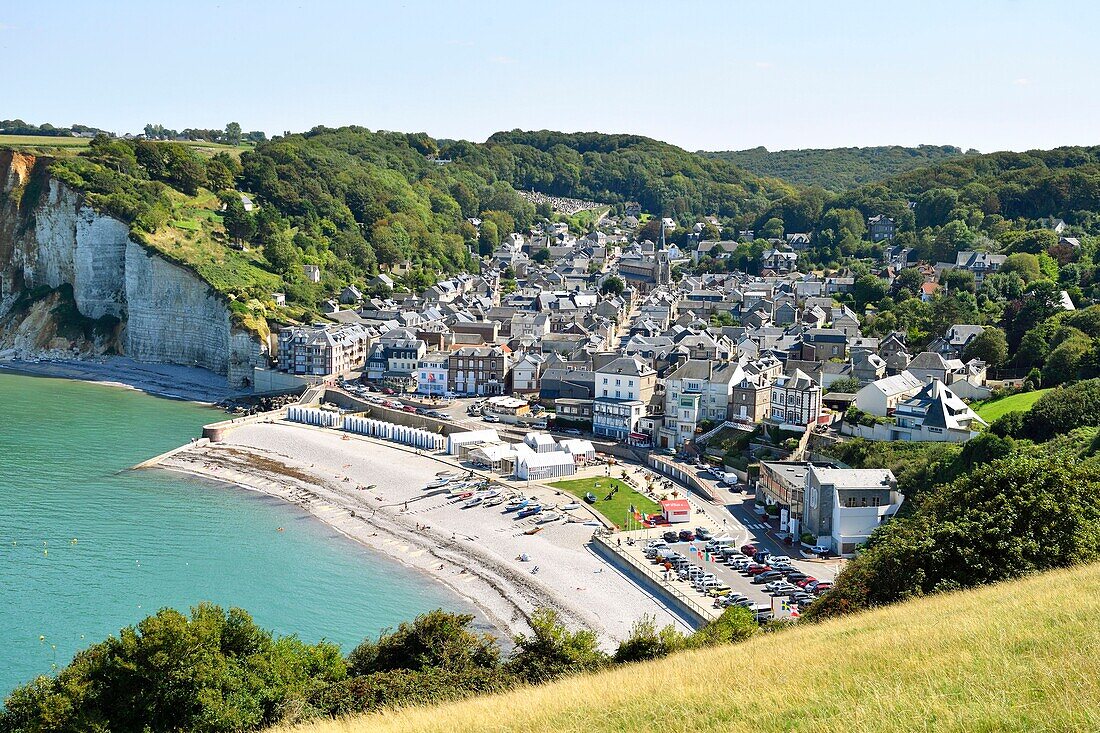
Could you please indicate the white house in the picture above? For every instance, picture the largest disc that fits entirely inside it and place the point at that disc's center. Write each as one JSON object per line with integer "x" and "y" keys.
{"x": 676, "y": 511}
{"x": 882, "y": 396}
{"x": 541, "y": 442}
{"x": 795, "y": 400}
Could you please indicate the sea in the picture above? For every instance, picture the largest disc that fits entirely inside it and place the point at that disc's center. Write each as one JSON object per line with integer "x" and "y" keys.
{"x": 88, "y": 547}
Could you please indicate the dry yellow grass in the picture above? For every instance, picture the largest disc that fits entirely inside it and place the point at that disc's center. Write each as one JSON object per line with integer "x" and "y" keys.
{"x": 1021, "y": 656}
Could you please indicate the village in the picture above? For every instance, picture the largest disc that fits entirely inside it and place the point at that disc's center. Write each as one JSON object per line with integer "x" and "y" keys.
{"x": 728, "y": 382}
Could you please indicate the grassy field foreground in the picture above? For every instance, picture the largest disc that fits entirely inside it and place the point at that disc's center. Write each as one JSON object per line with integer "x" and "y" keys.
{"x": 1022, "y": 656}
{"x": 617, "y": 509}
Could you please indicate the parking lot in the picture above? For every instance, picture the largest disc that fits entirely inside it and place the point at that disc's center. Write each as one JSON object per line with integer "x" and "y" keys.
{"x": 693, "y": 559}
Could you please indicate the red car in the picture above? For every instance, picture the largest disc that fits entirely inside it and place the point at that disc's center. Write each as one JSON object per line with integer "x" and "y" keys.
{"x": 409, "y": 408}
{"x": 821, "y": 588}
{"x": 806, "y": 581}
{"x": 748, "y": 550}
{"x": 387, "y": 390}
{"x": 757, "y": 569}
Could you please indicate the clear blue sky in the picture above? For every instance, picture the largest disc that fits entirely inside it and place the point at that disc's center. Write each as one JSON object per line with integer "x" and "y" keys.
{"x": 712, "y": 75}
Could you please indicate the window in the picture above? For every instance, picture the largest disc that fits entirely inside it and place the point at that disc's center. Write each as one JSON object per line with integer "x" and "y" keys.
{"x": 605, "y": 391}
{"x": 617, "y": 382}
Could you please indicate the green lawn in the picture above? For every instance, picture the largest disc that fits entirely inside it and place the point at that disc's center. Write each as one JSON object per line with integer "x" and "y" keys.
{"x": 616, "y": 509}
{"x": 1020, "y": 402}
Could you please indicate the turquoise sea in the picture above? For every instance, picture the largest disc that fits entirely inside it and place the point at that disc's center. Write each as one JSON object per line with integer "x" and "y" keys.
{"x": 87, "y": 547}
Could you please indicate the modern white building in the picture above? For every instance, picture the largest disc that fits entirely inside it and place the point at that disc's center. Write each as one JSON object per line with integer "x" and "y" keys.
{"x": 843, "y": 506}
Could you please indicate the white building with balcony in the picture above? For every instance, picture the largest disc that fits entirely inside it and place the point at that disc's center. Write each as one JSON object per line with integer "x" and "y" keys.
{"x": 843, "y": 506}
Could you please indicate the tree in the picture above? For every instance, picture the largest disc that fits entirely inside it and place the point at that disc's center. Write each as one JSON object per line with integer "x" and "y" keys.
{"x": 1024, "y": 264}
{"x": 552, "y": 651}
{"x": 910, "y": 279}
{"x": 869, "y": 289}
{"x": 990, "y": 346}
{"x": 433, "y": 640}
{"x": 847, "y": 384}
{"x": 736, "y": 624}
{"x": 233, "y": 133}
{"x": 955, "y": 280}
{"x": 488, "y": 238}
{"x": 211, "y": 672}
{"x": 239, "y": 224}
{"x": 280, "y": 252}
{"x": 646, "y": 641}
{"x": 612, "y": 286}
{"x": 542, "y": 256}
{"x": 218, "y": 176}
{"x": 772, "y": 229}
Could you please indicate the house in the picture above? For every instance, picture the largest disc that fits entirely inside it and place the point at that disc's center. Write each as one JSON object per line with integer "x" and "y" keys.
{"x": 351, "y": 295}
{"x": 881, "y": 228}
{"x": 323, "y": 350}
{"x": 480, "y": 370}
{"x": 573, "y": 413}
{"x": 779, "y": 260}
{"x": 843, "y": 506}
{"x": 527, "y": 372}
{"x": 432, "y": 374}
{"x": 395, "y": 359}
{"x": 929, "y": 365}
{"x": 795, "y": 400}
{"x": 868, "y": 366}
{"x": 979, "y": 263}
{"x": 934, "y": 413}
{"x": 882, "y": 396}
{"x": 624, "y": 388}
{"x": 543, "y": 466}
{"x": 312, "y": 273}
{"x": 954, "y": 340}
{"x": 695, "y": 391}
{"x": 824, "y": 344}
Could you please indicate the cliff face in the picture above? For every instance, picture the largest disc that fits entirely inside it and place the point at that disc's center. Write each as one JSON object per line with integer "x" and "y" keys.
{"x": 50, "y": 238}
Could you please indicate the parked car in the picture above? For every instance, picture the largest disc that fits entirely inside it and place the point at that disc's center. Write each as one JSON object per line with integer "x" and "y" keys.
{"x": 766, "y": 577}
{"x": 794, "y": 577}
{"x": 821, "y": 550}
{"x": 749, "y": 550}
{"x": 572, "y": 431}
{"x": 774, "y": 560}
{"x": 806, "y": 581}
{"x": 490, "y": 418}
{"x": 539, "y": 425}
{"x": 703, "y": 533}
{"x": 760, "y": 570}
{"x": 671, "y": 536}
{"x": 802, "y": 599}
{"x": 686, "y": 535}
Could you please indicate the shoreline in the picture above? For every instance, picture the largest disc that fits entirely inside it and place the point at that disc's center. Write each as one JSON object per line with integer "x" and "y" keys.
{"x": 168, "y": 381}
{"x": 474, "y": 553}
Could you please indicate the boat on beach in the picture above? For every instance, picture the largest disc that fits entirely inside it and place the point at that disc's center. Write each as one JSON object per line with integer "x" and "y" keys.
{"x": 516, "y": 504}
{"x": 548, "y": 517}
{"x": 474, "y": 501}
{"x": 534, "y": 530}
{"x": 495, "y": 501}
{"x": 570, "y": 506}
{"x": 590, "y": 498}
{"x": 530, "y": 511}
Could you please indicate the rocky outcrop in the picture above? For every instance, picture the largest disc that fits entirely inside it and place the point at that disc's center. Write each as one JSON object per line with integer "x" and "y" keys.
{"x": 49, "y": 238}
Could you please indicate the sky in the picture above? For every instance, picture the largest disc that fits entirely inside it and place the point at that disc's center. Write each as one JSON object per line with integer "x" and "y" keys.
{"x": 1007, "y": 75}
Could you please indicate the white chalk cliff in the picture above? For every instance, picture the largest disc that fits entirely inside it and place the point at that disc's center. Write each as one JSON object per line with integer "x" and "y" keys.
{"x": 168, "y": 313}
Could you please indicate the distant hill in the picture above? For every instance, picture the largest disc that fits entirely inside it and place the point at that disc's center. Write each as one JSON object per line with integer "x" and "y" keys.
{"x": 836, "y": 169}
{"x": 1019, "y": 656}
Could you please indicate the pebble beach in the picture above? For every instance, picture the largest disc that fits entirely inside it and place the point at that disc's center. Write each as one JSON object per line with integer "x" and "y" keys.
{"x": 373, "y": 492}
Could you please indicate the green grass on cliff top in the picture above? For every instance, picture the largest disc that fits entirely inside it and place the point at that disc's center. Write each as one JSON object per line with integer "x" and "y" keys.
{"x": 51, "y": 144}
{"x": 1019, "y": 656}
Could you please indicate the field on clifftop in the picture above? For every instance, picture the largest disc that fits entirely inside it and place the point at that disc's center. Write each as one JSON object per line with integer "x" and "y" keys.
{"x": 1020, "y": 656}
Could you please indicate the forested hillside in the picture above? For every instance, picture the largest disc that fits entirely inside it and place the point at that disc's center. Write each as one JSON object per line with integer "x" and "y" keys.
{"x": 835, "y": 169}
{"x": 663, "y": 178}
